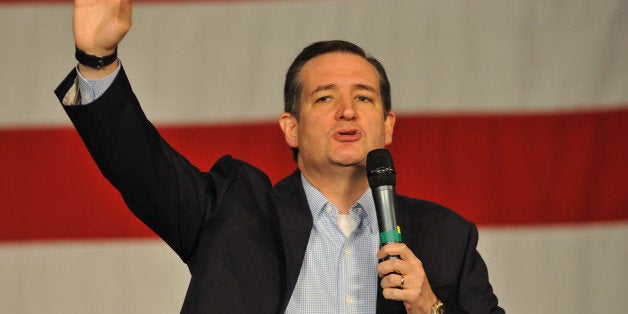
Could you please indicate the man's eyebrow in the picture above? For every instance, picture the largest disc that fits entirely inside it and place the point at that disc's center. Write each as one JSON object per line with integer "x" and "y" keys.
{"x": 323, "y": 88}
{"x": 332, "y": 86}
{"x": 366, "y": 87}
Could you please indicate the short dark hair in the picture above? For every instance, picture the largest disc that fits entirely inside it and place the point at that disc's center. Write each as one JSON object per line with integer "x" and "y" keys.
{"x": 292, "y": 87}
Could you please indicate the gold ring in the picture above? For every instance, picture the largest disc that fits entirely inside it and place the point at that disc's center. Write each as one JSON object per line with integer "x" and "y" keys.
{"x": 403, "y": 281}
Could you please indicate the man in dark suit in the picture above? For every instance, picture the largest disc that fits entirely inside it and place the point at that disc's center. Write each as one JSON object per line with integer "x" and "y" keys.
{"x": 308, "y": 244}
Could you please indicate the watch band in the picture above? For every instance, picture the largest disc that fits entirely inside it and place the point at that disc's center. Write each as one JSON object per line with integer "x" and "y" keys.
{"x": 95, "y": 62}
{"x": 438, "y": 307}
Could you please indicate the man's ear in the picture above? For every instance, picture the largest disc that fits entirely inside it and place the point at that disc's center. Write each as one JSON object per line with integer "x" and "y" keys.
{"x": 389, "y": 126}
{"x": 289, "y": 126}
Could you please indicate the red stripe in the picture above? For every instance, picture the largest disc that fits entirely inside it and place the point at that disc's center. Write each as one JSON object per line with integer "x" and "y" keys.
{"x": 32, "y": 2}
{"x": 532, "y": 169}
{"x": 518, "y": 169}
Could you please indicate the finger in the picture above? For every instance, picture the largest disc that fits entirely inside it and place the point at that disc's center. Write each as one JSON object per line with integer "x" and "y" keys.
{"x": 400, "y": 266}
{"x": 399, "y": 294}
{"x": 391, "y": 287}
{"x": 393, "y": 281}
{"x": 399, "y": 249}
{"x": 126, "y": 11}
{"x": 391, "y": 266}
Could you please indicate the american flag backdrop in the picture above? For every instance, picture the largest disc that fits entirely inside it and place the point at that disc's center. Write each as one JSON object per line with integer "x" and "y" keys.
{"x": 512, "y": 113}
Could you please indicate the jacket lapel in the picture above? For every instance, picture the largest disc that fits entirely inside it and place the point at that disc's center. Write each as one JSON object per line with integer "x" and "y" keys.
{"x": 295, "y": 225}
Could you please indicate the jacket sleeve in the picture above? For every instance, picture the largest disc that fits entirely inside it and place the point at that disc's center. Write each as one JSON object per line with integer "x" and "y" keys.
{"x": 475, "y": 294}
{"x": 160, "y": 186}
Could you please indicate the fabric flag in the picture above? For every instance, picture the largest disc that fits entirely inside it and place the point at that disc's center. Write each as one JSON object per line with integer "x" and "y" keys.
{"x": 512, "y": 113}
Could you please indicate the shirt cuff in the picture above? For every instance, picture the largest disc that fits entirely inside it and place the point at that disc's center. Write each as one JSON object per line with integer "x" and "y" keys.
{"x": 90, "y": 90}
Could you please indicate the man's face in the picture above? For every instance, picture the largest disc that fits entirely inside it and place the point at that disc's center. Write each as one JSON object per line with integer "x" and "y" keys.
{"x": 341, "y": 116}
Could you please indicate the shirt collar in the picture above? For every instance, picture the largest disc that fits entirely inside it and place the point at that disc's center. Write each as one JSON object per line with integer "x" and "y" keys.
{"x": 317, "y": 202}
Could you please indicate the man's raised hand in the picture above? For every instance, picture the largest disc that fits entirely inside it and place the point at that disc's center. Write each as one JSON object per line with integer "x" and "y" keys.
{"x": 99, "y": 25}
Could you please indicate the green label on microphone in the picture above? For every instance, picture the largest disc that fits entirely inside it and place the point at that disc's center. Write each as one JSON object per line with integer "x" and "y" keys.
{"x": 390, "y": 236}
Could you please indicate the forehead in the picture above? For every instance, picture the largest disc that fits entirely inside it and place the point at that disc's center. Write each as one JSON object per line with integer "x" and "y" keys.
{"x": 340, "y": 69}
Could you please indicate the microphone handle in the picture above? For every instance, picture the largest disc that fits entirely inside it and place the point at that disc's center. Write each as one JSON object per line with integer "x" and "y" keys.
{"x": 389, "y": 232}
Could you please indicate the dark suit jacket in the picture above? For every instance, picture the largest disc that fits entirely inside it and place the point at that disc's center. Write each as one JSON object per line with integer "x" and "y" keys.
{"x": 242, "y": 239}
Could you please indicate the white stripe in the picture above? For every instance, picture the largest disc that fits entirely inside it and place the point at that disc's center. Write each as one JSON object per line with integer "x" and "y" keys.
{"x": 558, "y": 269}
{"x": 91, "y": 277}
{"x": 561, "y": 270}
{"x": 209, "y": 62}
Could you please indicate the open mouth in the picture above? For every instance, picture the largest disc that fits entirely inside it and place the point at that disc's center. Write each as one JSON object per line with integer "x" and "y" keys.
{"x": 347, "y": 135}
{"x": 352, "y": 132}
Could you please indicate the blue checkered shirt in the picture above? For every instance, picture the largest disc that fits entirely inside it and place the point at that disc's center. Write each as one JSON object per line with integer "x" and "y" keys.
{"x": 339, "y": 273}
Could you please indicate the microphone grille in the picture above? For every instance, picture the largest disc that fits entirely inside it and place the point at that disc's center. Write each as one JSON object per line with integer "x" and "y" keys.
{"x": 380, "y": 169}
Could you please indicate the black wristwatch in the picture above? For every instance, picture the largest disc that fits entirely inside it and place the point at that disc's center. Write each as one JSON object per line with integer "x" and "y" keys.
{"x": 95, "y": 62}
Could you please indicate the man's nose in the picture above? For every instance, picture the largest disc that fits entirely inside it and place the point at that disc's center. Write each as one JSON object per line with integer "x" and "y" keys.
{"x": 346, "y": 109}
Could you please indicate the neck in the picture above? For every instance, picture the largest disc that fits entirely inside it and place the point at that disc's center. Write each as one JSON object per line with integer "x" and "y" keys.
{"x": 342, "y": 186}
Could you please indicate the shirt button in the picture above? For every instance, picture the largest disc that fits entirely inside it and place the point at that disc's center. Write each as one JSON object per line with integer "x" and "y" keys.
{"x": 347, "y": 252}
{"x": 348, "y": 299}
{"x": 328, "y": 208}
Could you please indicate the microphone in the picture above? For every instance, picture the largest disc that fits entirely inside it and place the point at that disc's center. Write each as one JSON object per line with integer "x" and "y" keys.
{"x": 381, "y": 174}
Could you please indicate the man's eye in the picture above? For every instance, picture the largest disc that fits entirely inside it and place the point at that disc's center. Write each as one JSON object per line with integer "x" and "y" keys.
{"x": 363, "y": 99}
{"x": 323, "y": 99}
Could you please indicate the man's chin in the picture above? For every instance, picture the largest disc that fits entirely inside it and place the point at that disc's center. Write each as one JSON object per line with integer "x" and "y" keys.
{"x": 350, "y": 160}
{"x": 348, "y": 164}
